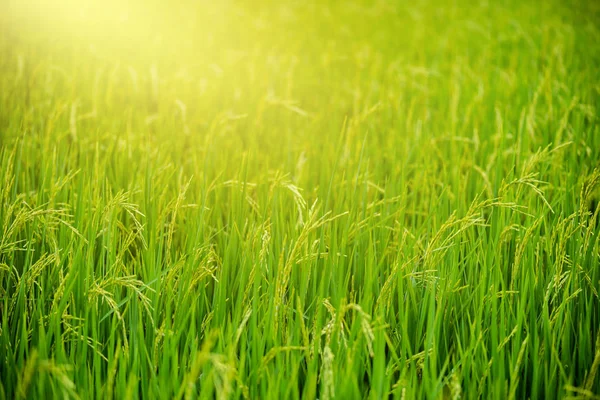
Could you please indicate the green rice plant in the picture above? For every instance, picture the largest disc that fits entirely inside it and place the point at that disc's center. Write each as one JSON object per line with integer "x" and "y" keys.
{"x": 317, "y": 199}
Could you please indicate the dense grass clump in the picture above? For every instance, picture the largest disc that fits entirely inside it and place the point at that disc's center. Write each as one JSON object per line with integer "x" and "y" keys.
{"x": 300, "y": 199}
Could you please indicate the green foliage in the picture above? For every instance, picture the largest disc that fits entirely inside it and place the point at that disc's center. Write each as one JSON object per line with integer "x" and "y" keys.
{"x": 300, "y": 200}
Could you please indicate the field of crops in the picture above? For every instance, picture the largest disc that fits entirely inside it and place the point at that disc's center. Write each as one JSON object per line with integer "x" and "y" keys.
{"x": 264, "y": 199}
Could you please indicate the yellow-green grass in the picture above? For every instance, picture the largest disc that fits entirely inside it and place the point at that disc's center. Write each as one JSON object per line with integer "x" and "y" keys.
{"x": 299, "y": 199}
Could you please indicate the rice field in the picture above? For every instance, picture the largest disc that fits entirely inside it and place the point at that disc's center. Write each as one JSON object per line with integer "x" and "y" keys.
{"x": 299, "y": 199}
